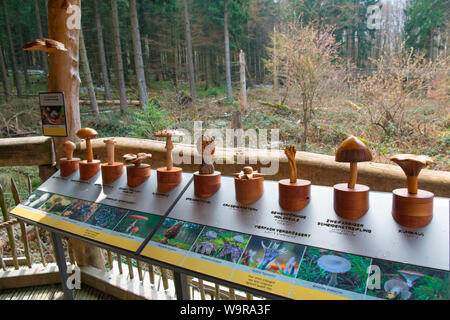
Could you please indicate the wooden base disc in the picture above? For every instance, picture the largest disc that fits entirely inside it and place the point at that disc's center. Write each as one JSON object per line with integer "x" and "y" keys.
{"x": 137, "y": 175}
{"x": 412, "y": 210}
{"x": 68, "y": 167}
{"x": 205, "y": 185}
{"x": 89, "y": 169}
{"x": 249, "y": 190}
{"x": 294, "y": 196}
{"x": 351, "y": 203}
{"x": 168, "y": 179}
{"x": 111, "y": 172}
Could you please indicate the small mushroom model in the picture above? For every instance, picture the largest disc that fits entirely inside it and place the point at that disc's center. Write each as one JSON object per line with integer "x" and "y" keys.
{"x": 88, "y": 167}
{"x": 334, "y": 265}
{"x": 206, "y": 179}
{"x": 137, "y": 171}
{"x": 293, "y": 193}
{"x": 249, "y": 185}
{"x": 412, "y": 207}
{"x": 410, "y": 276}
{"x": 68, "y": 164}
{"x": 111, "y": 170}
{"x": 169, "y": 177}
{"x": 351, "y": 200}
{"x": 172, "y": 232}
{"x": 396, "y": 287}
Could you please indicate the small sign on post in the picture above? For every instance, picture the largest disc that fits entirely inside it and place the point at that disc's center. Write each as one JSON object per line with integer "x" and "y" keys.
{"x": 53, "y": 114}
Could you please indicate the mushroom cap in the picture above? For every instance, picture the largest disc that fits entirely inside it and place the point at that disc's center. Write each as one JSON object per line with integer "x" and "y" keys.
{"x": 134, "y": 229}
{"x": 44, "y": 44}
{"x": 86, "y": 133}
{"x": 411, "y": 163}
{"x": 410, "y": 276}
{"x": 399, "y": 286}
{"x": 334, "y": 264}
{"x": 169, "y": 133}
{"x": 110, "y": 140}
{"x": 136, "y": 158}
{"x": 69, "y": 145}
{"x": 203, "y": 142}
{"x": 247, "y": 173}
{"x": 137, "y": 217}
{"x": 353, "y": 150}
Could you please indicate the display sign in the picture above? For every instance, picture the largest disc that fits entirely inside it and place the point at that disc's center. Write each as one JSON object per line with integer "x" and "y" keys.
{"x": 53, "y": 114}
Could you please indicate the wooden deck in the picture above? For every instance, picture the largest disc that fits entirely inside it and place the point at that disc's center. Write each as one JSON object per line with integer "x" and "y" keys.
{"x": 52, "y": 292}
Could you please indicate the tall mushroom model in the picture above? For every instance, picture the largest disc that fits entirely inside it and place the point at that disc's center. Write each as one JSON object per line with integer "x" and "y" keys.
{"x": 351, "y": 200}
{"x": 88, "y": 167}
{"x": 206, "y": 179}
{"x": 68, "y": 164}
{"x": 169, "y": 177}
{"x": 412, "y": 207}
{"x": 293, "y": 194}
{"x": 111, "y": 170}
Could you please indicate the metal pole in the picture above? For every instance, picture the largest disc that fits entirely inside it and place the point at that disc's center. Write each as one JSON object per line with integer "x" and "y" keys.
{"x": 61, "y": 261}
{"x": 181, "y": 286}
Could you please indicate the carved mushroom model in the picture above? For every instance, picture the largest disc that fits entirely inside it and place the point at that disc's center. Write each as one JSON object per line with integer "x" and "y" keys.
{"x": 137, "y": 172}
{"x": 68, "y": 164}
{"x": 396, "y": 287}
{"x": 88, "y": 167}
{"x": 206, "y": 179}
{"x": 111, "y": 170}
{"x": 410, "y": 276}
{"x": 334, "y": 265}
{"x": 249, "y": 185}
{"x": 351, "y": 200}
{"x": 293, "y": 194}
{"x": 169, "y": 177}
{"x": 412, "y": 207}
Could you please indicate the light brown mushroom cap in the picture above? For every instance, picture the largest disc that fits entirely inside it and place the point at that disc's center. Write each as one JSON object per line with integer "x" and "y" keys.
{"x": 247, "y": 173}
{"x": 136, "y": 159}
{"x": 45, "y": 45}
{"x": 86, "y": 133}
{"x": 353, "y": 150}
{"x": 411, "y": 163}
{"x": 109, "y": 141}
{"x": 69, "y": 145}
{"x": 169, "y": 133}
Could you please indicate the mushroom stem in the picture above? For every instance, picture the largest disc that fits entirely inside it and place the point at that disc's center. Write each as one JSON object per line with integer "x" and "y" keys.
{"x": 353, "y": 175}
{"x": 169, "y": 148}
{"x": 333, "y": 280}
{"x": 412, "y": 182}
{"x": 89, "y": 153}
{"x": 110, "y": 152}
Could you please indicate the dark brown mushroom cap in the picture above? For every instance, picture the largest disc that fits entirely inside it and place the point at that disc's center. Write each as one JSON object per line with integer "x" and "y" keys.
{"x": 44, "y": 44}
{"x": 86, "y": 133}
{"x": 411, "y": 163}
{"x": 169, "y": 133}
{"x": 353, "y": 150}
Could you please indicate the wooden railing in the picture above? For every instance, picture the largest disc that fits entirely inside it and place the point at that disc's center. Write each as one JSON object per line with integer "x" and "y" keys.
{"x": 39, "y": 151}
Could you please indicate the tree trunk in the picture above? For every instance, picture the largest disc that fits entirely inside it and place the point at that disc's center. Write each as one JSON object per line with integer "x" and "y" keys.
{"x": 87, "y": 74}
{"x": 243, "y": 93}
{"x": 189, "y": 49}
{"x": 209, "y": 80}
{"x": 23, "y": 59}
{"x": 138, "y": 61}
{"x": 227, "y": 51}
{"x": 12, "y": 51}
{"x": 43, "y": 55}
{"x": 275, "y": 71}
{"x": 63, "y": 76}
{"x": 101, "y": 51}
{"x": 4, "y": 74}
{"x": 119, "y": 62}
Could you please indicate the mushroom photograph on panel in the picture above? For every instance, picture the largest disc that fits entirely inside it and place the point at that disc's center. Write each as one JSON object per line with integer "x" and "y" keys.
{"x": 177, "y": 233}
{"x": 137, "y": 224}
{"x": 56, "y": 204}
{"x": 80, "y": 210}
{"x": 334, "y": 269}
{"x": 407, "y": 282}
{"x": 107, "y": 217}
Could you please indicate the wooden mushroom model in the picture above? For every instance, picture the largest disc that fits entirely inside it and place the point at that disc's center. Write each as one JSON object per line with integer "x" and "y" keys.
{"x": 206, "y": 179}
{"x": 45, "y": 45}
{"x": 169, "y": 177}
{"x": 88, "y": 167}
{"x": 111, "y": 170}
{"x": 249, "y": 185}
{"x": 68, "y": 164}
{"x": 351, "y": 200}
{"x": 293, "y": 194}
{"x": 137, "y": 172}
{"x": 412, "y": 207}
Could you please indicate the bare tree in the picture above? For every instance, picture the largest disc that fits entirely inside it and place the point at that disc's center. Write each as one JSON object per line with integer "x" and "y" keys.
{"x": 189, "y": 48}
{"x": 40, "y": 34}
{"x": 101, "y": 51}
{"x": 87, "y": 74}
{"x": 227, "y": 51}
{"x": 4, "y": 74}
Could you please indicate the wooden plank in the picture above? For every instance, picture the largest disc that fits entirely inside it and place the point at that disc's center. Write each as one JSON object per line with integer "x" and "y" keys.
{"x": 27, "y": 151}
{"x": 37, "y": 275}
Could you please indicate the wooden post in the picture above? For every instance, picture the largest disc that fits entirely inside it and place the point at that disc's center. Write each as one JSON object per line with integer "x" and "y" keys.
{"x": 243, "y": 94}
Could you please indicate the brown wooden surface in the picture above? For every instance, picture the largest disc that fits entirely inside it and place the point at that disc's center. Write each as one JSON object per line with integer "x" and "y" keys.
{"x": 412, "y": 210}
{"x": 205, "y": 185}
{"x": 137, "y": 175}
{"x": 168, "y": 179}
{"x": 111, "y": 172}
{"x": 89, "y": 169}
{"x": 249, "y": 191}
{"x": 294, "y": 196}
{"x": 351, "y": 203}
{"x": 68, "y": 167}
